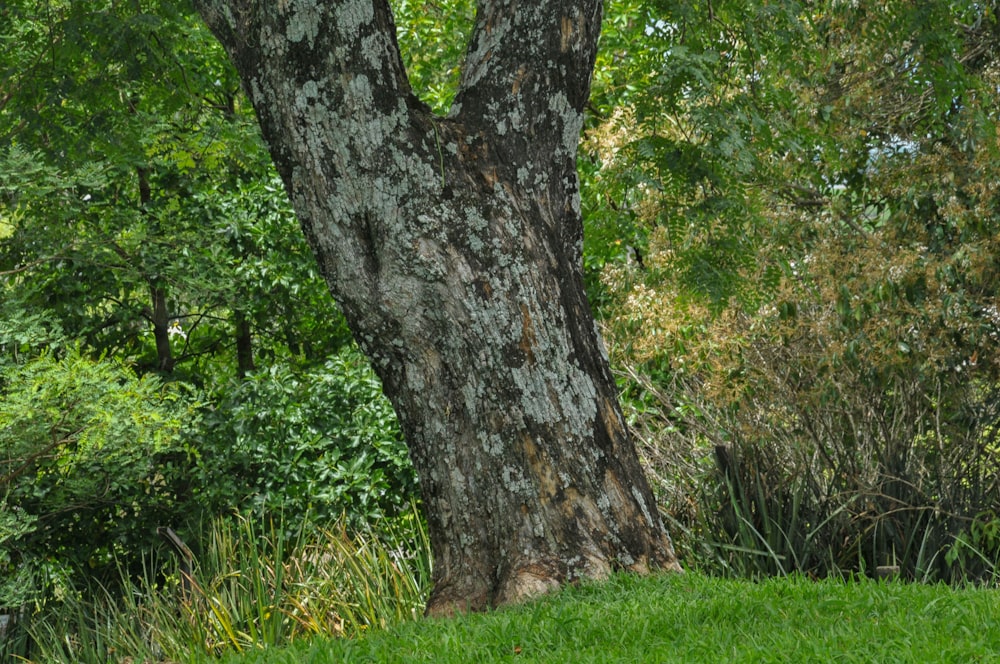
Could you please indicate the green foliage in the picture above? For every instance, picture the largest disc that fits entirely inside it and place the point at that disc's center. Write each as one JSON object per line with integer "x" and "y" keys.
{"x": 92, "y": 459}
{"x": 121, "y": 164}
{"x": 721, "y": 127}
{"x": 321, "y": 441}
{"x": 24, "y": 335}
{"x": 677, "y": 157}
{"x": 269, "y": 274}
{"x": 979, "y": 546}
{"x": 432, "y": 38}
{"x": 140, "y": 220}
{"x": 16, "y": 589}
{"x": 816, "y": 295}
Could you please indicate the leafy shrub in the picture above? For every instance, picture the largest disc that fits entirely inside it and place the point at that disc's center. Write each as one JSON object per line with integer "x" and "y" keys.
{"x": 321, "y": 441}
{"x": 92, "y": 460}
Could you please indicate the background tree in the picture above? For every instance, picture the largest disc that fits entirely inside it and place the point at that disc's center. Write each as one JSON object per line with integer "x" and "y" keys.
{"x": 812, "y": 311}
{"x": 453, "y": 245}
{"x": 129, "y": 162}
{"x": 142, "y": 229}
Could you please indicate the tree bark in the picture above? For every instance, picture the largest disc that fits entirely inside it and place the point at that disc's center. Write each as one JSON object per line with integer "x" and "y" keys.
{"x": 244, "y": 343}
{"x": 453, "y": 245}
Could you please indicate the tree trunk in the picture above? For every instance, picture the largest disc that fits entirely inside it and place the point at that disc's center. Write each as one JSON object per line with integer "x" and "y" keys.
{"x": 160, "y": 319}
{"x": 244, "y": 343}
{"x": 159, "y": 315}
{"x": 454, "y": 248}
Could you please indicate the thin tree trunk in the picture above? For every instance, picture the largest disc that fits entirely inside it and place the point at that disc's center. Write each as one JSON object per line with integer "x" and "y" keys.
{"x": 244, "y": 343}
{"x": 159, "y": 315}
{"x": 454, "y": 248}
{"x": 161, "y": 328}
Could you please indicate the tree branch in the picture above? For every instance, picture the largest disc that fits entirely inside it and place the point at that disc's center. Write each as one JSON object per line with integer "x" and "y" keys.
{"x": 28, "y": 462}
{"x": 529, "y": 68}
{"x": 32, "y": 264}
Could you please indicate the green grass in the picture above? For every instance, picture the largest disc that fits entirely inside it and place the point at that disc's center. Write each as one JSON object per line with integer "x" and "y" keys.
{"x": 693, "y": 618}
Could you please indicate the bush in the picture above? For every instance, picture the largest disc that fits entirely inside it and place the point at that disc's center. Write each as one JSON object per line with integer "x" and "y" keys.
{"x": 92, "y": 460}
{"x": 321, "y": 442}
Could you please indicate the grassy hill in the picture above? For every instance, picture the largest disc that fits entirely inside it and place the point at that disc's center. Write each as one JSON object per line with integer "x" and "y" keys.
{"x": 694, "y": 618}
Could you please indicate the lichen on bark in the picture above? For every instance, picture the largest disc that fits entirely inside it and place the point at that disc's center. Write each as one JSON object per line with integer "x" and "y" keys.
{"x": 453, "y": 246}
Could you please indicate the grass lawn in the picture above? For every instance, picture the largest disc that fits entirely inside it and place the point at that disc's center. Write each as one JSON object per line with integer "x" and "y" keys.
{"x": 693, "y": 618}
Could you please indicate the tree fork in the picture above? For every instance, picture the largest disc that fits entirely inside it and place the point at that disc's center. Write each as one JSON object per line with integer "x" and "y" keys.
{"x": 454, "y": 248}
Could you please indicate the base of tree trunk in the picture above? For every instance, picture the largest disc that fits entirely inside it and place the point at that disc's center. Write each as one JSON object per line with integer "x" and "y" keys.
{"x": 449, "y": 599}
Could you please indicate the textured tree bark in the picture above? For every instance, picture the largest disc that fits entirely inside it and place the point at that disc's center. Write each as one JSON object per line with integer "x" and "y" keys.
{"x": 454, "y": 248}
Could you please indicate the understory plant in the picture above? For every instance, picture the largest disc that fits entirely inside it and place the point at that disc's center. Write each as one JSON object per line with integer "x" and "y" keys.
{"x": 92, "y": 459}
{"x": 846, "y": 426}
{"x": 320, "y": 440}
{"x": 250, "y": 586}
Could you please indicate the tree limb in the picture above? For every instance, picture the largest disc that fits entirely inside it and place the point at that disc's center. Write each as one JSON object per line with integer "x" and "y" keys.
{"x": 33, "y": 264}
